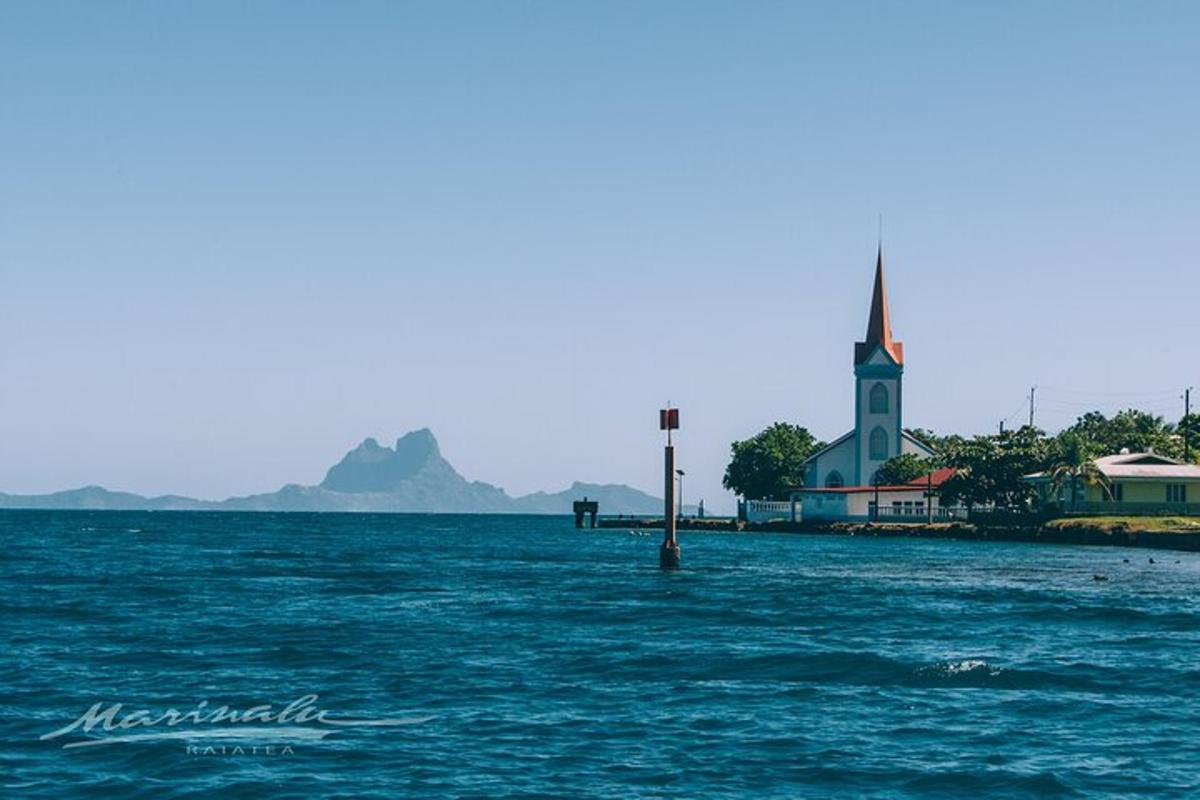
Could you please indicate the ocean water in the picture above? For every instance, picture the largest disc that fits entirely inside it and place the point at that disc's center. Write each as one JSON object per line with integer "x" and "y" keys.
{"x": 527, "y": 659}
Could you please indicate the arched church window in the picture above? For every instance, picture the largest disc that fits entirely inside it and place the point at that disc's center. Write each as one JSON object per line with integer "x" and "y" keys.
{"x": 878, "y": 445}
{"x": 834, "y": 480}
{"x": 879, "y": 399}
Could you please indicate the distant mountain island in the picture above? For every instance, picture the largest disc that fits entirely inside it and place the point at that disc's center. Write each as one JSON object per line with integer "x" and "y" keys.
{"x": 410, "y": 477}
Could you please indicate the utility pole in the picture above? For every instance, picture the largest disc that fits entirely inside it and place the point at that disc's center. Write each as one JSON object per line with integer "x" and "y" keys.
{"x": 1187, "y": 431}
{"x": 929, "y": 493}
{"x": 875, "y": 480}
{"x": 1032, "y": 391}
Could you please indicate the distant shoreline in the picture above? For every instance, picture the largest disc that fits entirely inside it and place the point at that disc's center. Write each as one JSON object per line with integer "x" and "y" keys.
{"x": 270, "y": 511}
{"x": 410, "y": 477}
{"x": 1075, "y": 531}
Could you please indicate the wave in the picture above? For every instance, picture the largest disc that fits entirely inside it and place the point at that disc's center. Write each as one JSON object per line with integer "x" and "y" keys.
{"x": 847, "y": 668}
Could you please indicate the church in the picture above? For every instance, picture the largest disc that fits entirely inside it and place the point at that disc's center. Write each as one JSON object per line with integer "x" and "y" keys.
{"x": 846, "y": 467}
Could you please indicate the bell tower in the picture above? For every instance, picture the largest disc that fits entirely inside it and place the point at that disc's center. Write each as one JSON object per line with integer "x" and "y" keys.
{"x": 878, "y": 367}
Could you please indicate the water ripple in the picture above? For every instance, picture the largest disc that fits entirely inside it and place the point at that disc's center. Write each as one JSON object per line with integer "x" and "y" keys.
{"x": 554, "y": 662}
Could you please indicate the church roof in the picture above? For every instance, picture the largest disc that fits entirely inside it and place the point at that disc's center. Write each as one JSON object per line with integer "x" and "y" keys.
{"x": 934, "y": 479}
{"x": 850, "y": 435}
{"x": 879, "y": 323}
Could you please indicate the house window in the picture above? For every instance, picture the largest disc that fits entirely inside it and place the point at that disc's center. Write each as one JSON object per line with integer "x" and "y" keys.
{"x": 1176, "y": 493}
{"x": 1118, "y": 493}
{"x": 834, "y": 480}
{"x": 878, "y": 445}
{"x": 879, "y": 399}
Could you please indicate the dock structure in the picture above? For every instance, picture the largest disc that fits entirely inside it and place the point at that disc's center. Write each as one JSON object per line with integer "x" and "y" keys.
{"x": 585, "y": 506}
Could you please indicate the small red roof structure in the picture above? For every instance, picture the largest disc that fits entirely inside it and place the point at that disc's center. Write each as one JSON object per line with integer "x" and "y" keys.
{"x": 879, "y": 323}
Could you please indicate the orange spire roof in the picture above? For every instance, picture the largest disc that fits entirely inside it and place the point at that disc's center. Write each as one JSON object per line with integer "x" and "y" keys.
{"x": 879, "y": 324}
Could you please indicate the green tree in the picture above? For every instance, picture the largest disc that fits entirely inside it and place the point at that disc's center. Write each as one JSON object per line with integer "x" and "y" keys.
{"x": 991, "y": 470}
{"x": 1072, "y": 462}
{"x": 771, "y": 464}
{"x": 1131, "y": 429}
{"x": 925, "y": 437}
{"x": 903, "y": 468}
{"x": 941, "y": 445}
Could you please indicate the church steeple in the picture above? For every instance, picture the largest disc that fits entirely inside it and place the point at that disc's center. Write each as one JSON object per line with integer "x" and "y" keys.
{"x": 879, "y": 324}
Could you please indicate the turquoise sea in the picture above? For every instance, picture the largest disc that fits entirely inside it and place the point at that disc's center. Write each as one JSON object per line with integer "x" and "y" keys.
{"x": 527, "y": 659}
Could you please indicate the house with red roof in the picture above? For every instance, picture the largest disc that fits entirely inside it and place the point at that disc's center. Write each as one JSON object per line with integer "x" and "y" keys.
{"x": 915, "y": 501}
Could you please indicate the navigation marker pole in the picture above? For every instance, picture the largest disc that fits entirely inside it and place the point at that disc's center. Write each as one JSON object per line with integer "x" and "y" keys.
{"x": 668, "y": 553}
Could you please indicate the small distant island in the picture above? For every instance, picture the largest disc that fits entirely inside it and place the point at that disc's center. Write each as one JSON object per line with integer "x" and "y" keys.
{"x": 411, "y": 477}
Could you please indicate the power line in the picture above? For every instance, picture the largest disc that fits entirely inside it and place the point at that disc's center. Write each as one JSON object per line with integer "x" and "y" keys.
{"x": 1059, "y": 404}
{"x": 1160, "y": 405}
{"x": 1163, "y": 393}
{"x": 1018, "y": 410}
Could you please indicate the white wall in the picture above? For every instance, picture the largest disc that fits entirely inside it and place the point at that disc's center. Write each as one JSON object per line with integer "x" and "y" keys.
{"x": 841, "y": 459}
{"x": 819, "y": 505}
{"x": 768, "y": 510}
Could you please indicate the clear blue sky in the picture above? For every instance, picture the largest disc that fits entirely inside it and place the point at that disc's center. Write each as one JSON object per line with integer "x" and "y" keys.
{"x": 236, "y": 239}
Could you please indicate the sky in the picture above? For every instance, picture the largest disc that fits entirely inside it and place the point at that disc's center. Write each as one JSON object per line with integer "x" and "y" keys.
{"x": 238, "y": 238}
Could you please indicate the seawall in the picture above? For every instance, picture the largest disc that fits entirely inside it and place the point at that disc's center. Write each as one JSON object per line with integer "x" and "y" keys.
{"x": 1078, "y": 532}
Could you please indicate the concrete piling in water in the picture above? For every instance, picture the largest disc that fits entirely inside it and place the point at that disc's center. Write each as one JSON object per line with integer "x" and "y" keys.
{"x": 585, "y": 506}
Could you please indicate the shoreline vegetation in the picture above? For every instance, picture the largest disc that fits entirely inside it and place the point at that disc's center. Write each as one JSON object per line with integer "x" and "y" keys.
{"x": 1164, "y": 533}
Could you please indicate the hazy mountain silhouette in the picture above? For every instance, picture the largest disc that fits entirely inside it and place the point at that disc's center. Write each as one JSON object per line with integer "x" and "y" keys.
{"x": 371, "y": 468}
{"x": 614, "y": 498}
{"x": 99, "y": 498}
{"x": 412, "y": 476}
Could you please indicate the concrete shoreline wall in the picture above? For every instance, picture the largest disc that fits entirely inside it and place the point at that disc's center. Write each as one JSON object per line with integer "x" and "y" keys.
{"x": 1183, "y": 540}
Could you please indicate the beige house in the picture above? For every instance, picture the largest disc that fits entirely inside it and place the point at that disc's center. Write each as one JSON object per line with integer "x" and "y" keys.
{"x": 1145, "y": 483}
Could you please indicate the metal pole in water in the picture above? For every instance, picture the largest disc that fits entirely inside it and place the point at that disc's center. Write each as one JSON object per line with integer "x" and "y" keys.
{"x": 668, "y": 553}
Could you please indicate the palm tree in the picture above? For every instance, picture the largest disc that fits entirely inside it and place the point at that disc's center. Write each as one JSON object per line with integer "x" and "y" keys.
{"x": 1073, "y": 460}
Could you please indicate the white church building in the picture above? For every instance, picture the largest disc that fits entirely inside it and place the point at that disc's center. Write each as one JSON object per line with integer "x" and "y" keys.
{"x": 839, "y": 480}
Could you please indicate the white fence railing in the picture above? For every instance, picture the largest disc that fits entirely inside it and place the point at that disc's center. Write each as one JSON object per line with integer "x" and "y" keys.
{"x": 767, "y": 510}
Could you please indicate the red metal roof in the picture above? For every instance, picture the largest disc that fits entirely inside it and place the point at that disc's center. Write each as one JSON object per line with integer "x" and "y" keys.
{"x": 939, "y": 476}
